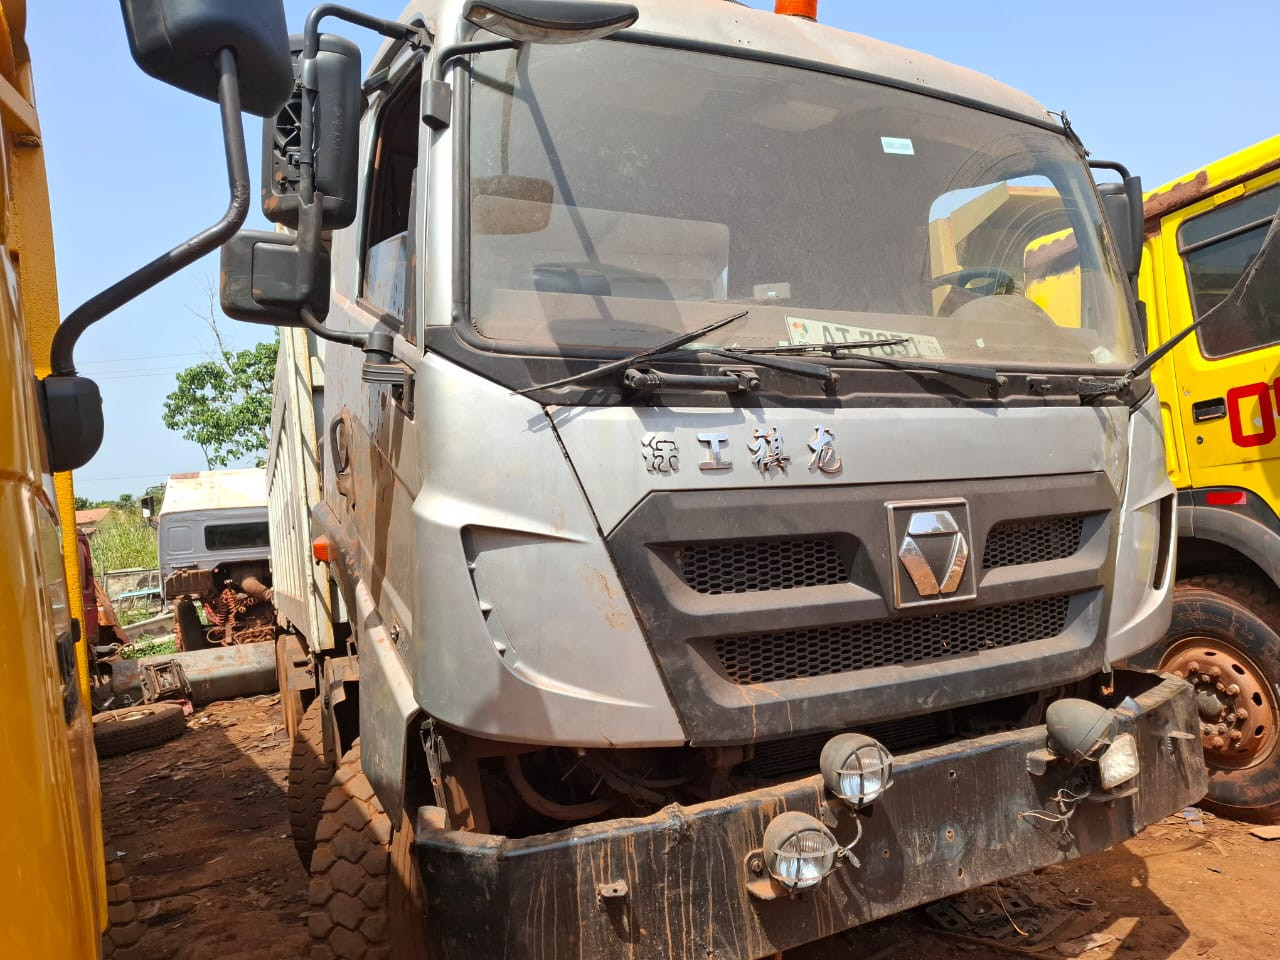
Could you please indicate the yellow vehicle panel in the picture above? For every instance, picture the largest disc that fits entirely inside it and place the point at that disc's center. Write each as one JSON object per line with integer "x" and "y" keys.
{"x": 1223, "y": 399}
{"x": 53, "y": 883}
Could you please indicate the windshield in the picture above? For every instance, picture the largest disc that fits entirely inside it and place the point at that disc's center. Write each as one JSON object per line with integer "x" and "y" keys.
{"x": 623, "y": 193}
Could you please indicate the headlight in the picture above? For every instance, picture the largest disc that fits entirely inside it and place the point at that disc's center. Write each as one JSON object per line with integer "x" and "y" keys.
{"x": 856, "y": 768}
{"x": 798, "y": 850}
{"x": 1120, "y": 762}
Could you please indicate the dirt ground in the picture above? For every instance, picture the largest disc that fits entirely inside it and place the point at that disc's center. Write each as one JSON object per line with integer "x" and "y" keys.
{"x": 202, "y": 828}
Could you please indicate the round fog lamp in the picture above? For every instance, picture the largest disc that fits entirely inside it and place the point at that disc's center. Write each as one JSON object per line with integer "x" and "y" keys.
{"x": 857, "y": 768}
{"x": 1078, "y": 729}
{"x": 798, "y": 850}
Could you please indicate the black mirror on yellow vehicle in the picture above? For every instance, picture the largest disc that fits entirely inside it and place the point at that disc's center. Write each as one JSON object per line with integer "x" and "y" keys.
{"x": 1122, "y": 204}
{"x": 72, "y": 409}
{"x": 177, "y": 41}
{"x": 337, "y": 103}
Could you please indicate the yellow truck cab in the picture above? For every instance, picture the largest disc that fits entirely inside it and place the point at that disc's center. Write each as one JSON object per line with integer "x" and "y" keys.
{"x": 1212, "y": 257}
{"x": 53, "y": 883}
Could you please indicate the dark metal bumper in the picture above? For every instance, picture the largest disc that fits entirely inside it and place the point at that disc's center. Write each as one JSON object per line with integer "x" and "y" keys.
{"x": 950, "y": 822}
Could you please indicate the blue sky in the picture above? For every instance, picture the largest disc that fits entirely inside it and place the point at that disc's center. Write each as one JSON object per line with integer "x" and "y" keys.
{"x": 135, "y": 166}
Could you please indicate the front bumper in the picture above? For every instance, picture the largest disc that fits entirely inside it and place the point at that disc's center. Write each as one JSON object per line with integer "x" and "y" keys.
{"x": 674, "y": 886}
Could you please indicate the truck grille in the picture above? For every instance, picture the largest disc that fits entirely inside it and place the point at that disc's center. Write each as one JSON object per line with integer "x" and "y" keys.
{"x": 752, "y": 565}
{"x": 1016, "y": 542}
{"x": 793, "y": 654}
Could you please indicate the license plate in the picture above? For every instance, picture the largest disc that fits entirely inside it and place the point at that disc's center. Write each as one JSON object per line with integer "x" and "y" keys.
{"x": 802, "y": 331}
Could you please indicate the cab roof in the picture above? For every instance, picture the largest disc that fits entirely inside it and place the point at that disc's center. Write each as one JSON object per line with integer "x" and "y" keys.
{"x": 214, "y": 490}
{"x": 728, "y": 24}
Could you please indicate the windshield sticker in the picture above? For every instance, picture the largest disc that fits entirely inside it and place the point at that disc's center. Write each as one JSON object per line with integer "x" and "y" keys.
{"x": 804, "y": 331}
{"x": 902, "y": 145}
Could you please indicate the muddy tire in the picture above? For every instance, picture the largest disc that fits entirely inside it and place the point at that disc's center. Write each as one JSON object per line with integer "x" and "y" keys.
{"x": 191, "y": 632}
{"x": 135, "y": 728}
{"x": 120, "y": 942}
{"x": 309, "y": 776}
{"x": 363, "y": 876}
{"x": 290, "y": 700}
{"x": 1224, "y": 639}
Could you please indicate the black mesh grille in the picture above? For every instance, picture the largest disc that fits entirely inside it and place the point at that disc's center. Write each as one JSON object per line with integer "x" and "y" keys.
{"x": 751, "y": 565}
{"x": 779, "y": 757}
{"x": 1032, "y": 541}
{"x": 769, "y": 657}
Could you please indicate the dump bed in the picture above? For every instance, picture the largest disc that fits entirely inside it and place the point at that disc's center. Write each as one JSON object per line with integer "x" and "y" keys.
{"x": 294, "y": 468}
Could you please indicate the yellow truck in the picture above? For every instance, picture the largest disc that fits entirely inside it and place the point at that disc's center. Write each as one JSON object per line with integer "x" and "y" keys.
{"x": 1212, "y": 262}
{"x": 53, "y": 884}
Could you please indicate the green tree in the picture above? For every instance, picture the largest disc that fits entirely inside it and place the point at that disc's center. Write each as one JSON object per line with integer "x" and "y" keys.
{"x": 84, "y": 503}
{"x": 223, "y": 405}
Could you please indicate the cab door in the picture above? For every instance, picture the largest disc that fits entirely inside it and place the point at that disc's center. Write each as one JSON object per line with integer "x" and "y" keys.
{"x": 1227, "y": 374}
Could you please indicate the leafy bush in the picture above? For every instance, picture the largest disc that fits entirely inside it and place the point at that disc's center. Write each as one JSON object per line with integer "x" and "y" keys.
{"x": 123, "y": 541}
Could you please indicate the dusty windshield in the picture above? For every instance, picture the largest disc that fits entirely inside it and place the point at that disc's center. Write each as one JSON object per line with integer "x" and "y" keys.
{"x": 622, "y": 194}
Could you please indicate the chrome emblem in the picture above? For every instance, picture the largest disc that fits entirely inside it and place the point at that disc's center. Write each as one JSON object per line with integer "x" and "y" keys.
{"x": 824, "y": 452}
{"x": 934, "y": 525}
{"x": 766, "y": 451}
{"x": 661, "y": 454}
{"x": 716, "y": 442}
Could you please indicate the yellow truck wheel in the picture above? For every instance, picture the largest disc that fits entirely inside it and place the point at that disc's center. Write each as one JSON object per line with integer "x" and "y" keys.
{"x": 1222, "y": 640}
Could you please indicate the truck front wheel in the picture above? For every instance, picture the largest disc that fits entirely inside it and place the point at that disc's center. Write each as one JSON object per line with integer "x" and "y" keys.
{"x": 366, "y": 892}
{"x": 1223, "y": 640}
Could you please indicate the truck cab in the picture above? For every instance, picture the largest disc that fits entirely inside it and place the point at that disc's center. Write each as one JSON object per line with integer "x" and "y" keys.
{"x": 1209, "y": 274}
{"x": 712, "y": 491}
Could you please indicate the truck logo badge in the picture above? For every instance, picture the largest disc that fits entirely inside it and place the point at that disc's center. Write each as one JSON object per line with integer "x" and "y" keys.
{"x": 716, "y": 443}
{"x": 766, "y": 451}
{"x": 824, "y": 452}
{"x": 661, "y": 454}
{"x": 926, "y": 531}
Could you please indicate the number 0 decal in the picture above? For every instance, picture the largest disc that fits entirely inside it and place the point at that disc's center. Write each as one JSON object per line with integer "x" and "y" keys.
{"x": 1261, "y": 392}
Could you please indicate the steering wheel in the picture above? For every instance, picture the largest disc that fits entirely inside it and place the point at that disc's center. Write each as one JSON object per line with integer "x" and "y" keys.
{"x": 994, "y": 281}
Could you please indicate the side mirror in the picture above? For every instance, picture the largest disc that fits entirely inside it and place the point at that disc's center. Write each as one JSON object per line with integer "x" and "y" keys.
{"x": 177, "y": 41}
{"x": 1122, "y": 204}
{"x": 72, "y": 408}
{"x": 335, "y": 76}
{"x": 266, "y": 279}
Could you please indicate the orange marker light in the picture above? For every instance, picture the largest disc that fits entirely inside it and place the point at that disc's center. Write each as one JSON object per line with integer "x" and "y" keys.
{"x": 322, "y": 549}
{"x": 797, "y": 8}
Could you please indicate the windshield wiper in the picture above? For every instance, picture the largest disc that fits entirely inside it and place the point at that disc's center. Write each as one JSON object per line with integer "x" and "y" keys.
{"x": 981, "y": 374}
{"x": 675, "y": 343}
{"x": 799, "y": 368}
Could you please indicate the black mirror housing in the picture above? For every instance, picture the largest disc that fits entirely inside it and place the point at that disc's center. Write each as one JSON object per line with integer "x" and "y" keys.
{"x": 339, "y": 101}
{"x": 72, "y": 409}
{"x": 176, "y": 41}
{"x": 1122, "y": 204}
{"x": 264, "y": 279}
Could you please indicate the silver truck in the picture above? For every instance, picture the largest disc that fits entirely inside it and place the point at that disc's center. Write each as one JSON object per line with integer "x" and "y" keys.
{"x": 215, "y": 552}
{"x": 715, "y": 486}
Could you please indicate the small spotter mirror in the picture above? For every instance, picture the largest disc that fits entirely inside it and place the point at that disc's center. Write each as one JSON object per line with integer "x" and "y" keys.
{"x": 177, "y": 40}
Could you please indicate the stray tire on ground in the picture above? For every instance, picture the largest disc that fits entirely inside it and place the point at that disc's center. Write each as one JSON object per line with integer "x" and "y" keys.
{"x": 309, "y": 776}
{"x": 360, "y": 866}
{"x": 1223, "y": 639}
{"x": 134, "y": 728}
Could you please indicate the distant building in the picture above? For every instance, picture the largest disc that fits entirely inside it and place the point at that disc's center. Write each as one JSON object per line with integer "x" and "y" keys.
{"x": 88, "y": 520}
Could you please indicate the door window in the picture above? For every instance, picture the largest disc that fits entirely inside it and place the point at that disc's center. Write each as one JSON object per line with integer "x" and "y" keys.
{"x": 1226, "y": 275}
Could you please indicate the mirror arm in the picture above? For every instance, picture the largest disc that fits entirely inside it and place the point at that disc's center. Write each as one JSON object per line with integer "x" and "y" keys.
{"x": 61, "y": 354}
{"x": 437, "y": 100}
{"x": 1132, "y": 189}
{"x": 408, "y": 33}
